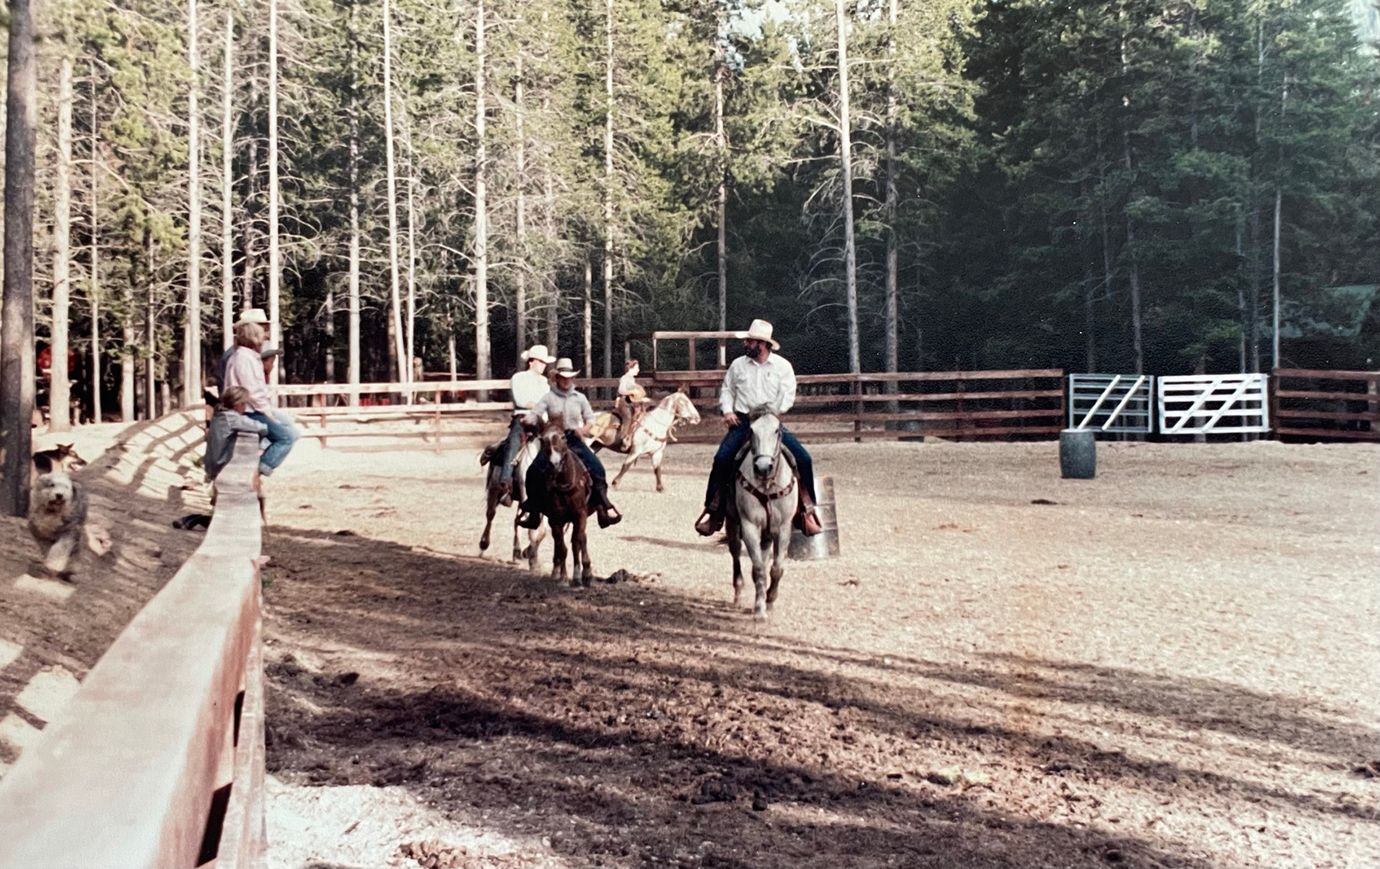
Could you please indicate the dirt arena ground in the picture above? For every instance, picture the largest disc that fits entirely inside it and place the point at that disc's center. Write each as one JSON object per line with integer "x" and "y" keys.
{"x": 1171, "y": 665}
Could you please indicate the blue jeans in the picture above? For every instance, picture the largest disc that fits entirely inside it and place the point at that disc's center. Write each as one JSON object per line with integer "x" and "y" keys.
{"x": 734, "y": 440}
{"x": 282, "y": 434}
{"x": 510, "y": 450}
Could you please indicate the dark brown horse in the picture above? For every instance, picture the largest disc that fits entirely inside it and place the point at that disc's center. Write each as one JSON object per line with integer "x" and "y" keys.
{"x": 493, "y": 493}
{"x": 567, "y": 503}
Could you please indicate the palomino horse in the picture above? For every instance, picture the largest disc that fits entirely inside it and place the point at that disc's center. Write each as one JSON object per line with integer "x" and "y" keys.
{"x": 492, "y": 494}
{"x": 760, "y": 512}
{"x": 651, "y": 436}
{"x": 567, "y": 503}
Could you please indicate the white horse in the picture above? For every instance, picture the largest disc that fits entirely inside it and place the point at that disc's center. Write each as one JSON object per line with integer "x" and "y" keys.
{"x": 651, "y": 436}
{"x": 492, "y": 494}
{"x": 759, "y": 514}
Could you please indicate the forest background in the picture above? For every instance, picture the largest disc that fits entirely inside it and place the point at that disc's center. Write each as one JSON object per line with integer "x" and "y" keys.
{"x": 1098, "y": 185}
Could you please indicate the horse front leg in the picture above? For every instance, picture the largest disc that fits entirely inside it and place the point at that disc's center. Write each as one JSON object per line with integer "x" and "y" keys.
{"x": 580, "y": 543}
{"x": 753, "y": 540}
{"x": 623, "y": 469}
{"x": 656, "y": 466}
{"x": 780, "y": 543}
{"x": 558, "y": 543}
{"x": 490, "y": 508}
{"x": 735, "y": 550}
{"x": 534, "y": 539}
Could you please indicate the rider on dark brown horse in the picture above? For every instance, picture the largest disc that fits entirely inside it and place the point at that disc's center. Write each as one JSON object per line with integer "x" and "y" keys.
{"x": 527, "y": 387}
{"x": 566, "y": 405}
{"x": 759, "y": 377}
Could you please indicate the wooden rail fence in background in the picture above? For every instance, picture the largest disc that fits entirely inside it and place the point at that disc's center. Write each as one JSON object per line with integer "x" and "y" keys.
{"x": 158, "y": 761}
{"x": 1326, "y": 405}
{"x": 961, "y": 405}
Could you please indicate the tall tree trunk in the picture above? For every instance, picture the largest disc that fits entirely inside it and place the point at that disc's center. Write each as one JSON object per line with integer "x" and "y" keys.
{"x": 353, "y": 327}
{"x": 1279, "y": 202}
{"x": 1133, "y": 276}
{"x": 275, "y": 265}
{"x": 17, "y": 312}
{"x": 411, "y": 257}
{"x": 553, "y": 307}
{"x": 227, "y": 178}
{"x": 59, "y": 388}
{"x": 608, "y": 189}
{"x": 850, "y": 254}
{"x": 520, "y": 277}
{"x": 191, "y": 358}
{"x": 892, "y": 254}
{"x": 589, "y": 315}
{"x": 481, "y": 203}
{"x": 1241, "y": 296}
{"x": 395, "y": 292}
{"x": 721, "y": 170}
{"x": 128, "y": 363}
{"x": 94, "y": 284}
{"x": 251, "y": 230}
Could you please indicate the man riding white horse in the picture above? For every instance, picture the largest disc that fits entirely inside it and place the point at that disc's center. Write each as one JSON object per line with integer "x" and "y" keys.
{"x": 566, "y": 405}
{"x": 758, "y": 378}
{"x": 527, "y": 387}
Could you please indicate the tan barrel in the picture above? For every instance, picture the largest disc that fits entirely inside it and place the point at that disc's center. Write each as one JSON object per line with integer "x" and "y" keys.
{"x": 826, "y": 543}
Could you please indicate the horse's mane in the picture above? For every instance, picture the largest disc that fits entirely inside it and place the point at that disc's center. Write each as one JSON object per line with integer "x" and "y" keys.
{"x": 762, "y": 410}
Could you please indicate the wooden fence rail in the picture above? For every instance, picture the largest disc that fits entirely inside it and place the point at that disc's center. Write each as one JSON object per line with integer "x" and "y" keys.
{"x": 1326, "y": 405}
{"x": 952, "y": 404}
{"x": 158, "y": 761}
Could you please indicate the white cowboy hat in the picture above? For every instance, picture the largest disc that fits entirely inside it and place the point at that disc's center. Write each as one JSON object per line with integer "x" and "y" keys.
{"x": 565, "y": 368}
{"x": 537, "y": 351}
{"x": 760, "y": 330}
{"x": 253, "y": 315}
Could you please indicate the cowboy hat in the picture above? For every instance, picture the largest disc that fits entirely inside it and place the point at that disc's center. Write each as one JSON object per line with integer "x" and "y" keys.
{"x": 565, "y": 368}
{"x": 252, "y": 315}
{"x": 760, "y": 330}
{"x": 537, "y": 351}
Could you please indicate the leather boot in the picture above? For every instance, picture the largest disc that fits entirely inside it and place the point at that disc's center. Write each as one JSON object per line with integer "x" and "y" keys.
{"x": 608, "y": 514}
{"x": 808, "y": 517}
{"x": 529, "y": 516}
{"x": 712, "y": 519}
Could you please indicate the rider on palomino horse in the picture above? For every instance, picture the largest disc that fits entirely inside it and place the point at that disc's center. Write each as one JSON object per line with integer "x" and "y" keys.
{"x": 759, "y": 377}
{"x": 631, "y": 404}
{"x": 568, "y": 405}
{"x": 527, "y": 386}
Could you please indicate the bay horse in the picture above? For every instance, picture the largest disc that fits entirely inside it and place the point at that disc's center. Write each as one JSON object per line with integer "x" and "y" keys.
{"x": 493, "y": 493}
{"x": 567, "y": 503}
{"x": 652, "y": 434}
{"x": 759, "y": 514}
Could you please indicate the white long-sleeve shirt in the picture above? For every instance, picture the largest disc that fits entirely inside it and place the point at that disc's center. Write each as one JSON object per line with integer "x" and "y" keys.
{"x": 749, "y": 384}
{"x": 246, "y": 369}
{"x": 527, "y": 387}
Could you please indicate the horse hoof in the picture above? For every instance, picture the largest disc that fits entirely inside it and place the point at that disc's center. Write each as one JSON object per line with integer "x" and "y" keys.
{"x": 574, "y": 582}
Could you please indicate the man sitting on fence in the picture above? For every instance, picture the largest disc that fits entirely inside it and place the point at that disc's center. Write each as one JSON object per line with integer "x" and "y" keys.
{"x": 527, "y": 388}
{"x": 567, "y": 406}
{"x": 758, "y": 378}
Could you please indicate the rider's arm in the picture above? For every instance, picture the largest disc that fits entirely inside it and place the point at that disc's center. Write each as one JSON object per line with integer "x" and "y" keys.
{"x": 726, "y": 391}
{"x": 785, "y": 397}
{"x": 538, "y": 411}
{"x": 586, "y": 412}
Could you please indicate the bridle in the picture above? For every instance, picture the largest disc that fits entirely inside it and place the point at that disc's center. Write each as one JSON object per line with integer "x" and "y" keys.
{"x": 771, "y": 491}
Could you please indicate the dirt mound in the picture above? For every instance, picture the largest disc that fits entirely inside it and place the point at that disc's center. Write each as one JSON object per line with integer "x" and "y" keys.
{"x": 140, "y": 478}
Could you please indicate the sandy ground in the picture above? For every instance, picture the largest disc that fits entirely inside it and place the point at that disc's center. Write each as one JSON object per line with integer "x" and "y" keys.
{"x": 1171, "y": 665}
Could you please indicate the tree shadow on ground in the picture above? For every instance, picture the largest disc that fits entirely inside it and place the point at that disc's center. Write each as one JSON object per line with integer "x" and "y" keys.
{"x": 632, "y": 725}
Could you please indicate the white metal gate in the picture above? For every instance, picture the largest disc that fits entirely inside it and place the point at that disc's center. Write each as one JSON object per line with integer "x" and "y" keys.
{"x": 1112, "y": 402}
{"x": 1214, "y": 404}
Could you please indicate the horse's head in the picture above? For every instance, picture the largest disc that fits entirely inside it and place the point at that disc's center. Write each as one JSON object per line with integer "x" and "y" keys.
{"x": 553, "y": 441}
{"x": 766, "y": 441}
{"x": 682, "y": 408}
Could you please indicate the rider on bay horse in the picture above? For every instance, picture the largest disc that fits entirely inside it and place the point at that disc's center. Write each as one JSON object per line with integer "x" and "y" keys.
{"x": 527, "y": 387}
{"x": 566, "y": 404}
{"x": 759, "y": 377}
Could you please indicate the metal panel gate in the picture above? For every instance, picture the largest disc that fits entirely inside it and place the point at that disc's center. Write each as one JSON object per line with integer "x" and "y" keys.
{"x": 1112, "y": 402}
{"x": 1214, "y": 404}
